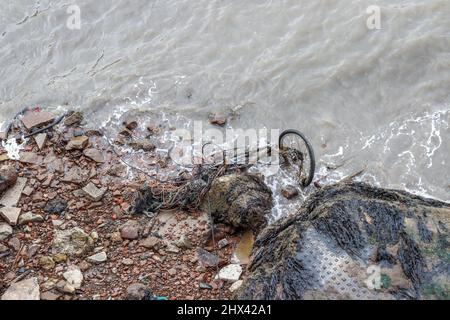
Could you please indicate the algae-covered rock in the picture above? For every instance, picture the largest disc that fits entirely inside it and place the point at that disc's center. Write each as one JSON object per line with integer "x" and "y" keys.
{"x": 353, "y": 241}
{"x": 240, "y": 200}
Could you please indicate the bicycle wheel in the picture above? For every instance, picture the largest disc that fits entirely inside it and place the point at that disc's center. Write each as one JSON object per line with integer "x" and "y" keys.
{"x": 298, "y": 153}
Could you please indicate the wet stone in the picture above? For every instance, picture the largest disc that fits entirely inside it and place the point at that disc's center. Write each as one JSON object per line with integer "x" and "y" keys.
{"x": 33, "y": 120}
{"x": 230, "y": 273}
{"x": 77, "y": 143}
{"x": 8, "y": 177}
{"x": 218, "y": 119}
{"x": 289, "y": 192}
{"x": 142, "y": 144}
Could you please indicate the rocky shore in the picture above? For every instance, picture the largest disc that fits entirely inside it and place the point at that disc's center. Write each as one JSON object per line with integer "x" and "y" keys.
{"x": 78, "y": 222}
{"x": 68, "y": 231}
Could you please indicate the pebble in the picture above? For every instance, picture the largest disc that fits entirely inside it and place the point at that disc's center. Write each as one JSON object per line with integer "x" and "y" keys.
{"x": 74, "y": 279}
{"x": 94, "y": 155}
{"x": 30, "y": 158}
{"x": 34, "y": 119}
{"x": 205, "y": 286}
{"x": 5, "y": 231}
{"x": 3, "y": 248}
{"x": 12, "y": 196}
{"x": 40, "y": 140}
{"x": 32, "y": 250}
{"x": 77, "y": 143}
{"x": 127, "y": 261}
{"x": 137, "y": 291}
{"x": 11, "y": 214}
{"x": 73, "y": 119}
{"x": 130, "y": 230}
{"x": 8, "y": 177}
{"x": 184, "y": 242}
{"x": 56, "y": 206}
{"x": 28, "y": 191}
{"x": 14, "y": 243}
{"x": 46, "y": 263}
{"x": 72, "y": 242}
{"x": 172, "y": 271}
{"x": 94, "y": 193}
{"x": 142, "y": 144}
{"x": 222, "y": 243}
{"x": 98, "y": 258}
{"x": 206, "y": 258}
{"x": 30, "y": 218}
{"x": 290, "y": 192}
{"x": 218, "y": 119}
{"x": 59, "y": 257}
{"x": 50, "y": 296}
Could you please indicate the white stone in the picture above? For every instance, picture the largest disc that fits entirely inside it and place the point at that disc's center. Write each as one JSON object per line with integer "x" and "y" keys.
{"x": 98, "y": 258}
{"x": 10, "y": 214}
{"x": 230, "y": 273}
{"x": 74, "y": 279}
{"x": 24, "y": 290}
{"x": 236, "y": 286}
{"x": 5, "y": 231}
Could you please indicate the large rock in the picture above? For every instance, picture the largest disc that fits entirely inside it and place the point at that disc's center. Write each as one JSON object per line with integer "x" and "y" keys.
{"x": 24, "y": 290}
{"x": 8, "y": 177}
{"x": 73, "y": 242}
{"x": 353, "y": 241}
{"x": 240, "y": 200}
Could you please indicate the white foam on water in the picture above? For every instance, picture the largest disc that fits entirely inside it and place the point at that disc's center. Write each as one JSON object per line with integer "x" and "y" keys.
{"x": 13, "y": 149}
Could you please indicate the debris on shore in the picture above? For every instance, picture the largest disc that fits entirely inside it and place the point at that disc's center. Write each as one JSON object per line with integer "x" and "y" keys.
{"x": 69, "y": 228}
{"x": 79, "y": 221}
